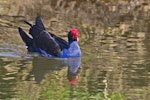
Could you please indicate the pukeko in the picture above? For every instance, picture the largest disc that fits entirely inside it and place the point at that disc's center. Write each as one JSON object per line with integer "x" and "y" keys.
{"x": 48, "y": 44}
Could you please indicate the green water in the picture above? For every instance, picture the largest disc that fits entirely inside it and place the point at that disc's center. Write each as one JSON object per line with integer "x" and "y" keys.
{"x": 114, "y": 40}
{"x": 118, "y": 75}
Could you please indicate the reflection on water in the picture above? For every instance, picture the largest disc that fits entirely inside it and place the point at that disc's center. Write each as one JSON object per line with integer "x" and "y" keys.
{"x": 114, "y": 40}
{"x": 31, "y": 71}
{"x": 41, "y": 66}
{"x": 125, "y": 74}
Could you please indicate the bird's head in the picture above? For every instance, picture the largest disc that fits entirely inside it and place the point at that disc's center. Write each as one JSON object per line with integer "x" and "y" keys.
{"x": 73, "y": 35}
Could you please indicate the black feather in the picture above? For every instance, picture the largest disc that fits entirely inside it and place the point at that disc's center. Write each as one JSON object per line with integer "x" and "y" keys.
{"x": 42, "y": 39}
{"x": 27, "y": 40}
{"x": 62, "y": 43}
{"x": 39, "y": 23}
{"x": 36, "y": 29}
{"x": 46, "y": 42}
{"x": 28, "y": 23}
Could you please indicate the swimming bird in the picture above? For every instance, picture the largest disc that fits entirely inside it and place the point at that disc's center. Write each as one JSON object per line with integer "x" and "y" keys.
{"x": 48, "y": 44}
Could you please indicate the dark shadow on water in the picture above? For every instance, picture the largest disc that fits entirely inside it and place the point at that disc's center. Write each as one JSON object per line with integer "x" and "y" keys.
{"x": 43, "y": 66}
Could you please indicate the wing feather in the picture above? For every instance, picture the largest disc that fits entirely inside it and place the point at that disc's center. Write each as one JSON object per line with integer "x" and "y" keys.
{"x": 46, "y": 42}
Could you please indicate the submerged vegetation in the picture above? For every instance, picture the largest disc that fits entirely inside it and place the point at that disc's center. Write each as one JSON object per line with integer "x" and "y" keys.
{"x": 53, "y": 91}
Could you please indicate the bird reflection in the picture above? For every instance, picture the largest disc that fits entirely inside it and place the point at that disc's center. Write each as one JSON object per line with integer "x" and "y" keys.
{"x": 42, "y": 66}
{"x": 73, "y": 65}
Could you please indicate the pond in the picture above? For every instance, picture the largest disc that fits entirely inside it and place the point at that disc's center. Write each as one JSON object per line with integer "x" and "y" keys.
{"x": 109, "y": 72}
{"x": 114, "y": 43}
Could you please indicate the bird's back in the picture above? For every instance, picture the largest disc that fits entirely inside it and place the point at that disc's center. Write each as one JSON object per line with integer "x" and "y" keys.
{"x": 46, "y": 42}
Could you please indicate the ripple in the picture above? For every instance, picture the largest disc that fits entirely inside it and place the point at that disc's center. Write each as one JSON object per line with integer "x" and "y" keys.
{"x": 9, "y": 54}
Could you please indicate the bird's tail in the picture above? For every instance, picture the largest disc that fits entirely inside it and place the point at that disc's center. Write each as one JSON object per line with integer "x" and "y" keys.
{"x": 39, "y": 23}
{"x": 27, "y": 40}
{"x": 37, "y": 28}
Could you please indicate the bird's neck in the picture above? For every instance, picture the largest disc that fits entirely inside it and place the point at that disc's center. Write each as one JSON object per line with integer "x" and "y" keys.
{"x": 71, "y": 41}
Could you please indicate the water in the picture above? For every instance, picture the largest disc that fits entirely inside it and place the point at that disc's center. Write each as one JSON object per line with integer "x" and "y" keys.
{"x": 122, "y": 74}
{"x": 19, "y": 74}
{"x": 114, "y": 40}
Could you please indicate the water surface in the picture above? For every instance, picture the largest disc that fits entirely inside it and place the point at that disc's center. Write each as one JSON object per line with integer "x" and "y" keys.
{"x": 114, "y": 40}
{"x": 123, "y": 74}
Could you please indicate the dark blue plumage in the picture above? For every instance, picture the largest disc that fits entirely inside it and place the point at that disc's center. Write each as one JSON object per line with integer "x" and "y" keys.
{"x": 49, "y": 44}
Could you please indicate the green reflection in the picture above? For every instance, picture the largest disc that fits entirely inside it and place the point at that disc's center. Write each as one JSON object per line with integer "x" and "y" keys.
{"x": 114, "y": 38}
{"x": 55, "y": 91}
